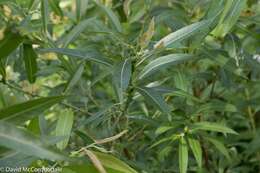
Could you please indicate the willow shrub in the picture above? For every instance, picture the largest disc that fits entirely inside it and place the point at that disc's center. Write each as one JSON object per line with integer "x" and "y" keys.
{"x": 124, "y": 86}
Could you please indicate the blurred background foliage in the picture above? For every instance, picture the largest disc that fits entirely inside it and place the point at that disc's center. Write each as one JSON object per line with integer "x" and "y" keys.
{"x": 126, "y": 86}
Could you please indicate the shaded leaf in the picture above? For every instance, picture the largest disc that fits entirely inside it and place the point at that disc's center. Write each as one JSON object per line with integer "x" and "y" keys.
{"x": 45, "y": 14}
{"x": 111, "y": 15}
{"x": 151, "y": 96}
{"x": 29, "y": 57}
{"x": 75, "y": 78}
{"x": 90, "y": 56}
{"x": 122, "y": 76}
{"x": 26, "y": 109}
{"x": 24, "y": 142}
{"x": 75, "y": 32}
{"x": 220, "y": 146}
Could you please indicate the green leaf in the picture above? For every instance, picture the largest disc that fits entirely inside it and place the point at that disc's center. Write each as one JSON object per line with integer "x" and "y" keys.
{"x": 110, "y": 161}
{"x": 16, "y": 159}
{"x": 163, "y": 129}
{"x": 75, "y": 78}
{"x": 183, "y": 155}
{"x": 220, "y": 146}
{"x": 24, "y": 142}
{"x": 75, "y": 32}
{"x": 171, "y": 139}
{"x": 151, "y": 96}
{"x": 229, "y": 17}
{"x": 111, "y": 15}
{"x": 45, "y": 14}
{"x": 2, "y": 71}
{"x": 54, "y": 4}
{"x": 182, "y": 34}
{"x": 181, "y": 93}
{"x": 29, "y": 57}
{"x": 81, "y": 8}
{"x": 90, "y": 56}
{"x": 87, "y": 139}
{"x": 162, "y": 63}
{"x": 64, "y": 126}
{"x": 212, "y": 127}
{"x": 216, "y": 105}
{"x": 9, "y": 43}
{"x": 147, "y": 36}
{"x": 25, "y": 110}
{"x": 196, "y": 149}
{"x": 122, "y": 76}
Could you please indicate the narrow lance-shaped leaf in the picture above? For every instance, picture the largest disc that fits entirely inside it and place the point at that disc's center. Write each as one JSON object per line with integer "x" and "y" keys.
{"x": 96, "y": 162}
{"x": 122, "y": 76}
{"x": 110, "y": 161}
{"x": 216, "y": 105}
{"x": 24, "y": 142}
{"x": 212, "y": 127}
{"x": 29, "y": 57}
{"x": 196, "y": 149}
{"x": 229, "y": 17}
{"x": 25, "y": 110}
{"x": 220, "y": 146}
{"x": 147, "y": 36}
{"x": 2, "y": 71}
{"x": 75, "y": 78}
{"x": 162, "y": 63}
{"x": 75, "y": 32}
{"x": 64, "y": 126}
{"x": 163, "y": 129}
{"x": 45, "y": 14}
{"x": 16, "y": 159}
{"x": 182, "y": 34}
{"x": 91, "y": 56}
{"x": 9, "y": 43}
{"x": 111, "y": 15}
{"x": 183, "y": 155}
{"x": 54, "y": 4}
{"x": 151, "y": 96}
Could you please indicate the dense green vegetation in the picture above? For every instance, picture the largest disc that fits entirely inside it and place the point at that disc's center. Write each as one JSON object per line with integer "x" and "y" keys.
{"x": 130, "y": 86}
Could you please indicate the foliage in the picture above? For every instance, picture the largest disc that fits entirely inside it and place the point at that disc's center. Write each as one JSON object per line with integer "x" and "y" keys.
{"x": 127, "y": 86}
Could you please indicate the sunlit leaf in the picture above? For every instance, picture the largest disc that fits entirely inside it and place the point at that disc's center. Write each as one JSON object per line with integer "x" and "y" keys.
{"x": 196, "y": 149}
{"x": 112, "y": 162}
{"x": 182, "y": 34}
{"x": 162, "y": 63}
{"x": 183, "y": 155}
{"x": 209, "y": 126}
{"x": 64, "y": 126}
